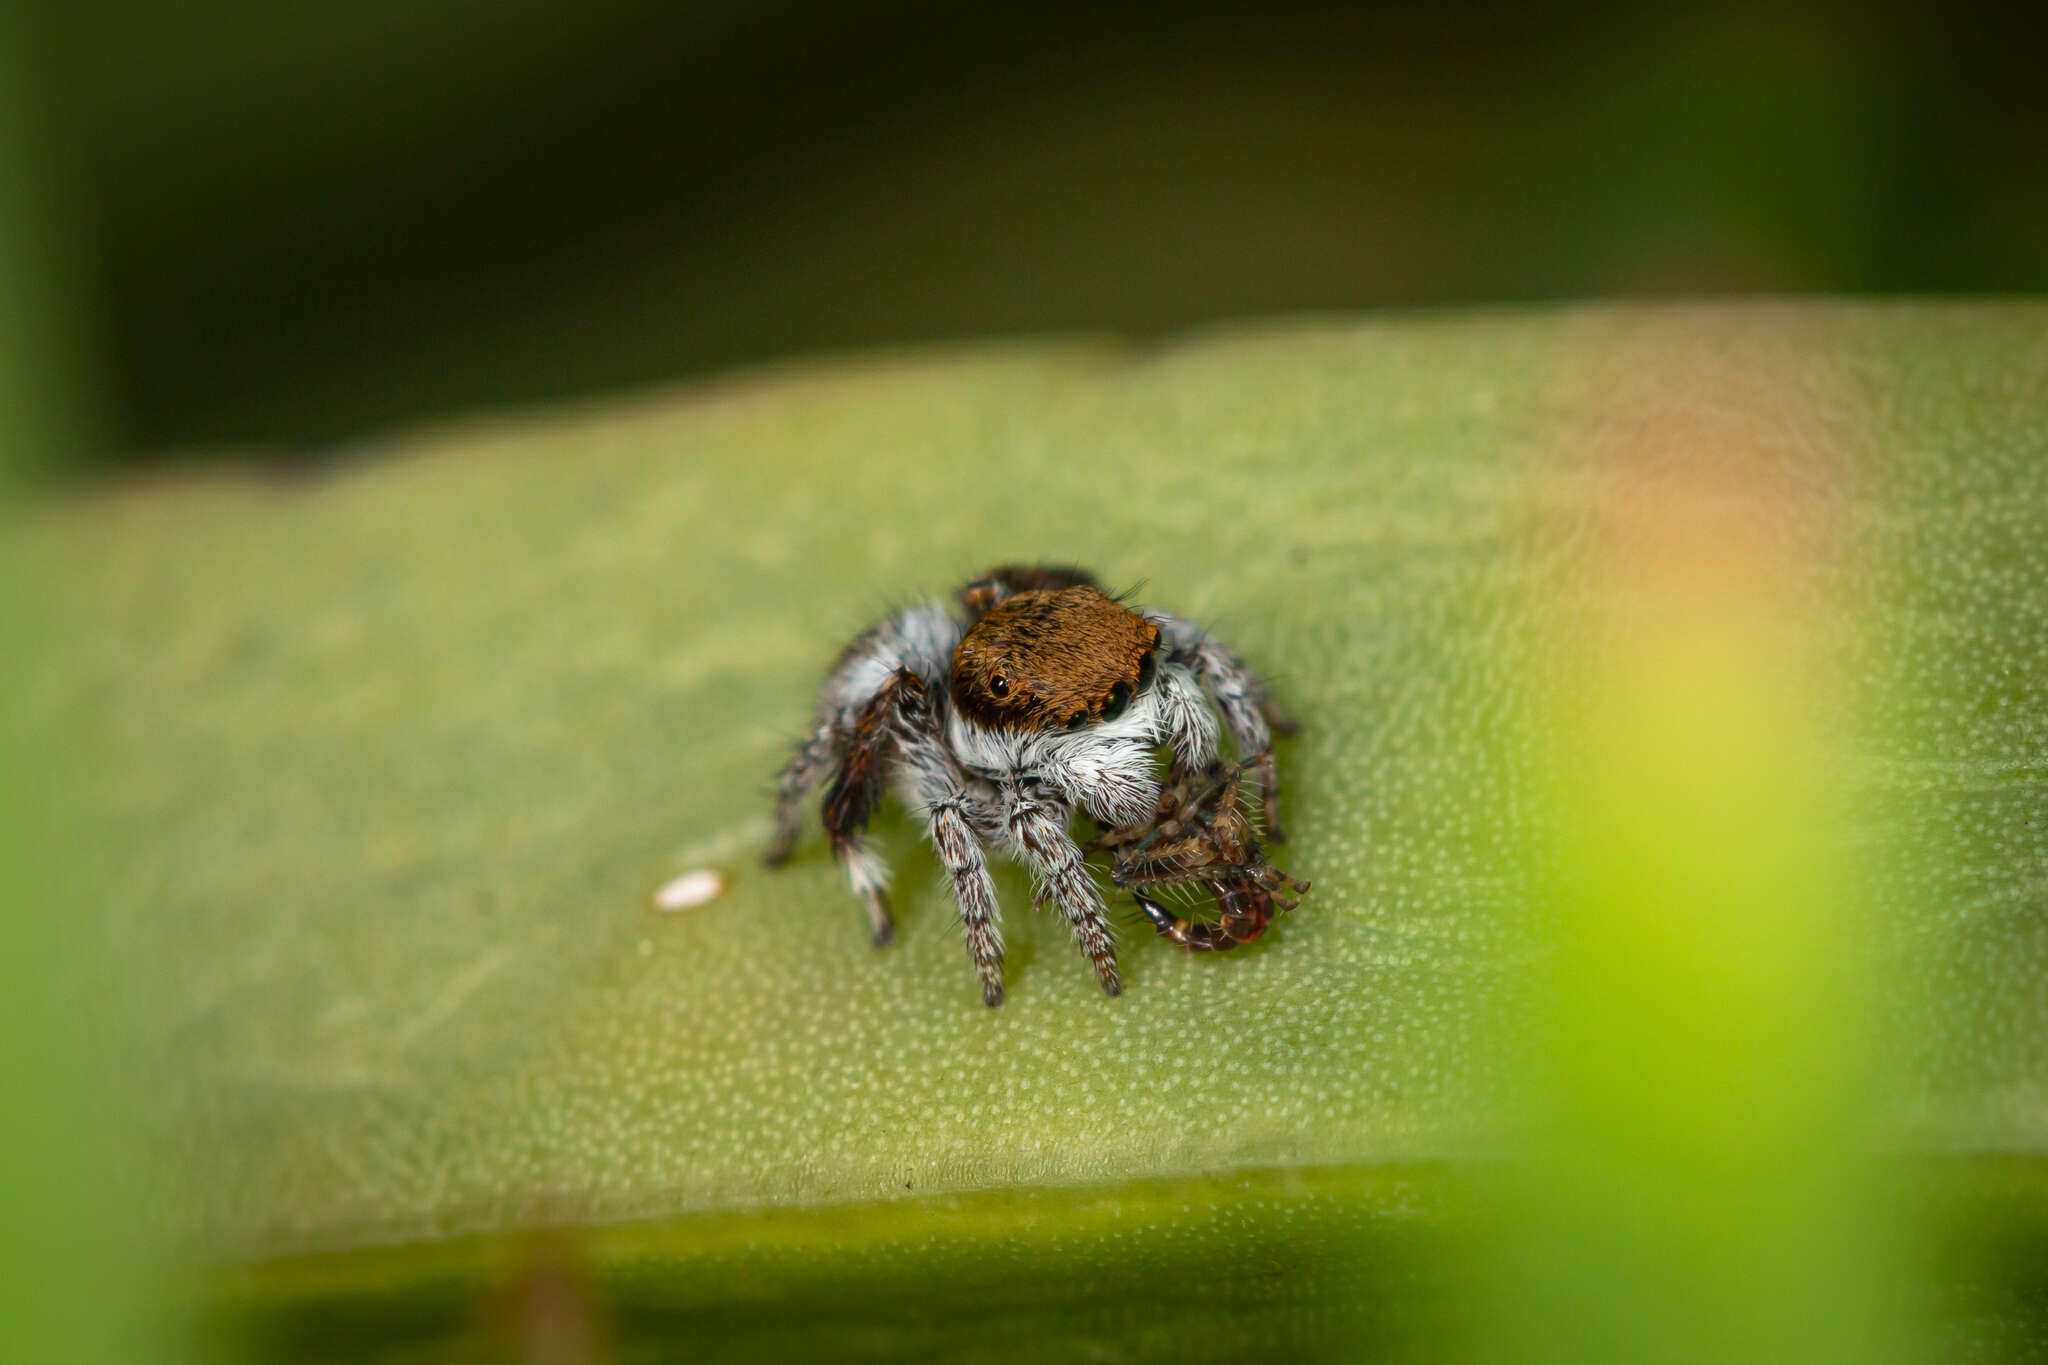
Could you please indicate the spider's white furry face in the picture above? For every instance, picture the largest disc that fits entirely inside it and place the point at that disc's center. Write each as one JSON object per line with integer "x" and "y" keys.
{"x": 1041, "y": 695}
{"x": 1108, "y": 768}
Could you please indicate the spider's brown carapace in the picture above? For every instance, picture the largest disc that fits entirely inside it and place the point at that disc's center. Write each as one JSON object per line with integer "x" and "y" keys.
{"x": 1053, "y": 657}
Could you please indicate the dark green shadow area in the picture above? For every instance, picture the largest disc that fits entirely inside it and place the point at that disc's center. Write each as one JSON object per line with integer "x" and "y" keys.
{"x": 1371, "y": 1264}
{"x": 1288, "y": 1263}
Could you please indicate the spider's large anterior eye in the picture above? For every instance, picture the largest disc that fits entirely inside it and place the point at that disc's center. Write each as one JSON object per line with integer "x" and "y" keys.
{"x": 999, "y": 685}
{"x": 1119, "y": 698}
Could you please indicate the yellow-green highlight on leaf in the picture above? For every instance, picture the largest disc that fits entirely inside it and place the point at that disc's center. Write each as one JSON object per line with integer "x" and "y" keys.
{"x": 1694, "y": 1179}
{"x": 387, "y": 756}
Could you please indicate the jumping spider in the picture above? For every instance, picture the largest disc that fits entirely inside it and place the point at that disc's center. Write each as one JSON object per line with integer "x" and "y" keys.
{"x": 1041, "y": 695}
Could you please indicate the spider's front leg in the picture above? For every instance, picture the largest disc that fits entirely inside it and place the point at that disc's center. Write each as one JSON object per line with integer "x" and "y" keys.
{"x": 1249, "y": 712}
{"x": 948, "y": 812}
{"x": 1251, "y": 718}
{"x": 958, "y": 848}
{"x": 1038, "y": 829}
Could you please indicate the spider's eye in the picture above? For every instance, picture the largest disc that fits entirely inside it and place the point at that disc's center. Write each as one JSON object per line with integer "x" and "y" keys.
{"x": 1077, "y": 720}
{"x": 999, "y": 685}
{"x": 1119, "y": 698}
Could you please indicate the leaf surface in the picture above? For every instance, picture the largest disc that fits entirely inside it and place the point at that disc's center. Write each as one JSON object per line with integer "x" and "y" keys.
{"x": 389, "y": 758}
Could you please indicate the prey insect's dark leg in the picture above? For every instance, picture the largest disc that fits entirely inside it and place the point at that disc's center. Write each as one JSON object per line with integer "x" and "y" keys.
{"x": 1180, "y": 800}
{"x": 1169, "y": 925}
{"x": 1248, "y": 904}
{"x": 1242, "y": 922}
{"x": 804, "y": 768}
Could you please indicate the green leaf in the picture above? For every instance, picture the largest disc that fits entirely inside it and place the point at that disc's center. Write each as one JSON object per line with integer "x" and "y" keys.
{"x": 389, "y": 754}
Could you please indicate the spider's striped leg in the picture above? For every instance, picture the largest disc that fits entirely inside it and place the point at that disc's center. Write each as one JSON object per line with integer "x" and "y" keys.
{"x": 1246, "y": 706}
{"x": 1249, "y": 711}
{"x": 802, "y": 771}
{"x": 950, "y": 814}
{"x": 850, "y": 800}
{"x": 958, "y": 848}
{"x": 1038, "y": 830}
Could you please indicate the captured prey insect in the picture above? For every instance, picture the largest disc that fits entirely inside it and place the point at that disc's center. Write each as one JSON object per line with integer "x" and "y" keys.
{"x": 1201, "y": 834}
{"x": 1035, "y": 695}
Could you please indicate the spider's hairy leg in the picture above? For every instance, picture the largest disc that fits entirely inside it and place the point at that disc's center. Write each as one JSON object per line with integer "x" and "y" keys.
{"x": 1249, "y": 712}
{"x": 869, "y": 876}
{"x": 1283, "y": 724}
{"x": 850, "y": 800}
{"x": 802, "y": 771}
{"x": 1242, "y": 697}
{"x": 1039, "y": 832}
{"x": 948, "y": 809}
{"x": 960, "y": 851}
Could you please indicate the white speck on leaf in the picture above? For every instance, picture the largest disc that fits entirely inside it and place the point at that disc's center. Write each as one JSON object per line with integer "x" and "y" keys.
{"x": 690, "y": 890}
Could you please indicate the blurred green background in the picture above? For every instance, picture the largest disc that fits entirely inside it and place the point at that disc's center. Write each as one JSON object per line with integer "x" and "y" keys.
{"x": 287, "y": 224}
{"x": 228, "y": 226}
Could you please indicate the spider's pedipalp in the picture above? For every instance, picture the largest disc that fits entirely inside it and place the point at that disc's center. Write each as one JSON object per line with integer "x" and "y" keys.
{"x": 1186, "y": 724}
{"x": 1113, "y": 778}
